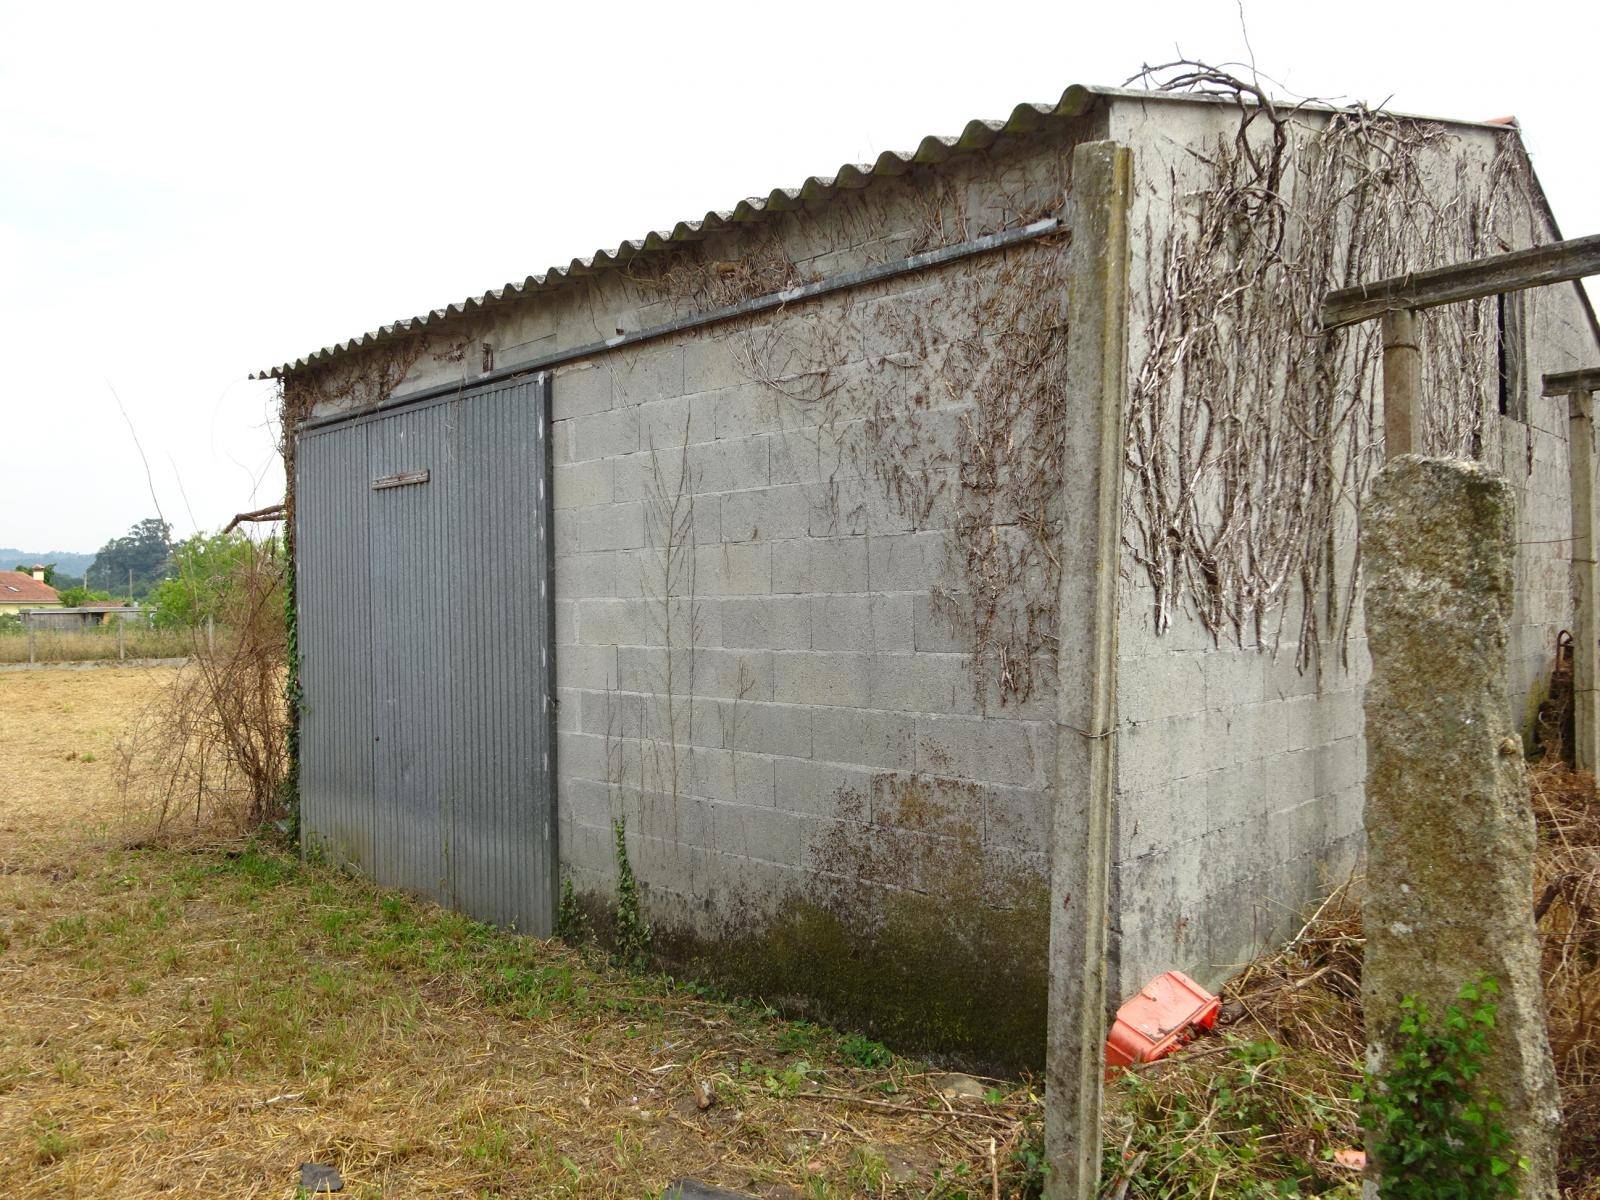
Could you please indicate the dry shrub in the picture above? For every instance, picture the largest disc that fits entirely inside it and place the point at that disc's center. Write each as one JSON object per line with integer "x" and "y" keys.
{"x": 1306, "y": 999}
{"x": 1251, "y": 433}
{"x": 1567, "y": 906}
{"x": 210, "y": 751}
{"x": 1308, "y": 996}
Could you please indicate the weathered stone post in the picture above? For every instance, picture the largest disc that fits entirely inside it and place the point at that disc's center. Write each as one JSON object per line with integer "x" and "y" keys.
{"x": 1450, "y": 834}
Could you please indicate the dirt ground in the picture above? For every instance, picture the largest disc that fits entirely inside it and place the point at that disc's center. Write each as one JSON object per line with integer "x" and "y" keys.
{"x": 199, "y": 1021}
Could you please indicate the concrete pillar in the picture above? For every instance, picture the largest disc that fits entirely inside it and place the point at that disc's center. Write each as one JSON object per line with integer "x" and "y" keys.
{"x": 1402, "y": 384}
{"x": 1450, "y": 833}
{"x": 1091, "y": 512}
{"x": 1585, "y": 581}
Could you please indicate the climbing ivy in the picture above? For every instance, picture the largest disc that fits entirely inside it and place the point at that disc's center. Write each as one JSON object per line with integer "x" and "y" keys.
{"x": 1437, "y": 1136}
{"x": 632, "y": 934}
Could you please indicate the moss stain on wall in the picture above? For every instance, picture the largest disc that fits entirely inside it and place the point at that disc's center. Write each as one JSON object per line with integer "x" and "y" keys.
{"x": 907, "y": 930}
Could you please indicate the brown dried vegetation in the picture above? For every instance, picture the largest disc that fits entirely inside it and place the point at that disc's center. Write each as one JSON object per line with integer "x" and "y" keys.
{"x": 1305, "y": 1000}
{"x": 210, "y": 749}
{"x": 1251, "y": 434}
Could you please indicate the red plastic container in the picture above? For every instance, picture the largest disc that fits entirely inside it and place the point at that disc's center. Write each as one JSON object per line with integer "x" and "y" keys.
{"x": 1167, "y": 1012}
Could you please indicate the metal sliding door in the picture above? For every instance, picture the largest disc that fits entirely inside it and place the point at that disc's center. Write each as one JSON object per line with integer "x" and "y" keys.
{"x": 423, "y": 549}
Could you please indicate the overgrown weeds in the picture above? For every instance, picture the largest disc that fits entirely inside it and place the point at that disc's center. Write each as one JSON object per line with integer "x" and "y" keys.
{"x": 631, "y": 934}
{"x": 1567, "y": 909}
{"x": 1259, "y": 1112}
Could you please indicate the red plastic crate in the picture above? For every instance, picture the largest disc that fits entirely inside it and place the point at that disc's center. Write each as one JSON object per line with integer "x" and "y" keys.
{"x": 1167, "y": 1012}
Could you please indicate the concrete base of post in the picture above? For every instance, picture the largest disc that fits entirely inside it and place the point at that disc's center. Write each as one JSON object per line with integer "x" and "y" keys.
{"x": 1450, "y": 833}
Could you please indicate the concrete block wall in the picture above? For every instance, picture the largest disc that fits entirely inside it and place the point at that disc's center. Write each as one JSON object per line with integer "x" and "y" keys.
{"x": 1239, "y": 791}
{"x": 808, "y": 664}
{"x": 752, "y": 669}
{"x": 1240, "y": 779}
{"x": 1534, "y": 457}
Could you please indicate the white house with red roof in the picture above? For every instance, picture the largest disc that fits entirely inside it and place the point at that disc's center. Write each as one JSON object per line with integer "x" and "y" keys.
{"x": 26, "y": 589}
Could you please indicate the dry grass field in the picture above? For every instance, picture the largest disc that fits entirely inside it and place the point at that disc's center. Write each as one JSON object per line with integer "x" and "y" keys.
{"x": 199, "y": 1017}
{"x": 198, "y": 1020}
{"x": 84, "y": 645}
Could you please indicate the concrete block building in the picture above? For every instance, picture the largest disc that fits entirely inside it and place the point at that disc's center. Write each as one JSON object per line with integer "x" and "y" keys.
{"x": 755, "y": 532}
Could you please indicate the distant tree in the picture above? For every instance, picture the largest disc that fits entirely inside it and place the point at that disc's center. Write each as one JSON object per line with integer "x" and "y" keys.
{"x": 51, "y": 578}
{"x": 204, "y": 569}
{"x": 145, "y": 550}
{"x": 78, "y": 595}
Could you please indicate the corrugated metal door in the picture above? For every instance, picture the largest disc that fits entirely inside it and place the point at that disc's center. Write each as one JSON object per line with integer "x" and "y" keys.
{"x": 425, "y": 636}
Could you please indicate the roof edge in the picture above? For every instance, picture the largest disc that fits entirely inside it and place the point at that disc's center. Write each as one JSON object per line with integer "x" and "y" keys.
{"x": 976, "y": 136}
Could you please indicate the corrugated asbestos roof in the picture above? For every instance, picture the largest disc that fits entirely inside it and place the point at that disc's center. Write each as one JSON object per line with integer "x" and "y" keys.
{"x": 978, "y": 135}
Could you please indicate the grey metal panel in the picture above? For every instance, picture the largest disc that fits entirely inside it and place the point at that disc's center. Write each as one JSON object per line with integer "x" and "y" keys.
{"x": 455, "y": 650}
{"x": 410, "y": 654}
{"x": 504, "y": 815}
{"x": 334, "y": 603}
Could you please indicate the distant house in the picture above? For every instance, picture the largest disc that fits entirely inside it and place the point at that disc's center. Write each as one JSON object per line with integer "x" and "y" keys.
{"x": 26, "y": 589}
{"x": 88, "y": 616}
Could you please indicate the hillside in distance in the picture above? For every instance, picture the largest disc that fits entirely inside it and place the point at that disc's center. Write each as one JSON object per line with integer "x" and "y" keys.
{"x": 67, "y": 561}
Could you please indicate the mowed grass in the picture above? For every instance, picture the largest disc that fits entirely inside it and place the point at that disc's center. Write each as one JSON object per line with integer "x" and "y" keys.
{"x": 199, "y": 1021}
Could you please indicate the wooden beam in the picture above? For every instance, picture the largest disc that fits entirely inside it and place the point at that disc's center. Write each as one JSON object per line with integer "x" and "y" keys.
{"x": 1568, "y": 383}
{"x": 1555, "y": 263}
{"x": 272, "y": 512}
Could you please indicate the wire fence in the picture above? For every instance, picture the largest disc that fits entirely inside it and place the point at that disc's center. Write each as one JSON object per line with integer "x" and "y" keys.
{"x": 113, "y": 640}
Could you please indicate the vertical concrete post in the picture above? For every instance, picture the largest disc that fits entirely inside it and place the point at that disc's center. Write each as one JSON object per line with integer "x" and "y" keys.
{"x": 1585, "y": 581}
{"x": 1402, "y": 384}
{"x": 1450, "y": 833}
{"x": 1080, "y": 845}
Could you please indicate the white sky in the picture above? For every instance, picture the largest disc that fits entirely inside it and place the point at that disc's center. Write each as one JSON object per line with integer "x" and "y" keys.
{"x": 190, "y": 193}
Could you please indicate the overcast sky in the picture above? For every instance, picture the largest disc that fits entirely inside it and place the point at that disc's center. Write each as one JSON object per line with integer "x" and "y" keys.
{"x": 191, "y": 193}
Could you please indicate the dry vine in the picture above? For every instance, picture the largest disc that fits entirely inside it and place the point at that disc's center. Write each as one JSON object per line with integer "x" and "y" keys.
{"x": 953, "y": 416}
{"x": 1251, "y": 434}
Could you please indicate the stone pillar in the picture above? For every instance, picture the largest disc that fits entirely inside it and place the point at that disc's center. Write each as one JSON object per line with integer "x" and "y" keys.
{"x": 1085, "y": 782}
{"x": 1450, "y": 833}
{"x": 1585, "y": 582}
